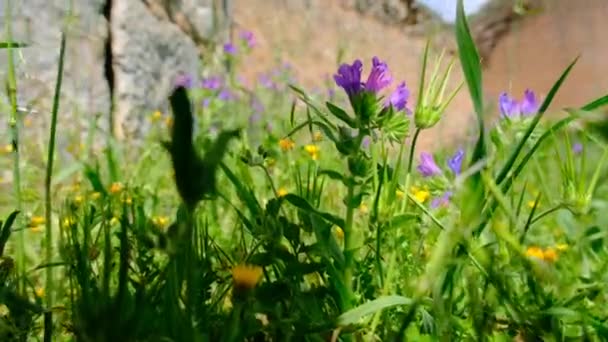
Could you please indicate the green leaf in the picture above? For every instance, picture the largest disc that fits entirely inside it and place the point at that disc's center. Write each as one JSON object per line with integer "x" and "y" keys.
{"x": 471, "y": 67}
{"x": 5, "y": 233}
{"x": 12, "y": 45}
{"x": 469, "y": 58}
{"x": 302, "y": 204}
{"x": 341, "y": 114}
{"x": 602, "y": 101}
{"x": 353, "y": 316}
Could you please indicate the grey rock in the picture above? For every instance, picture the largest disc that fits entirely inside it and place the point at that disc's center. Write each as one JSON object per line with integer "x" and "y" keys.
{"x": 39, "y": 24}
{"x": 148, "y": 55}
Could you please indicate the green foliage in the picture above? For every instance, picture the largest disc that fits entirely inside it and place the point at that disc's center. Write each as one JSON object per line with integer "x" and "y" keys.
{"x": 316, "y": 228}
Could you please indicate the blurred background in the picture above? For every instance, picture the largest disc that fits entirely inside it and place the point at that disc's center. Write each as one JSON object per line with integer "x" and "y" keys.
{"x": 132, "y": 51}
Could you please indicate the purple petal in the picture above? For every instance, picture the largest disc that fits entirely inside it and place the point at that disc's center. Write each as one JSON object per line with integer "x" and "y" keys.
{"x": 427, "y": 166}
{"x": 443, "y": 200}
{"x": 529, "y": 105}
{"x": 212, "y": 83}
{"x": 230, "y": 49}
{"x": 399, "y": 97}
{"x": 577, "y": 148}
{"x": 379, "y": 77}
{"x": 508, "y": 106}
{"x": 249, "y": 38}
{"x": 349, "y": 77}
{"x": 455, "y": 162}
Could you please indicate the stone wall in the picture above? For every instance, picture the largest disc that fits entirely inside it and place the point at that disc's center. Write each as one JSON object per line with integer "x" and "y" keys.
{"x": 129, "y": 50}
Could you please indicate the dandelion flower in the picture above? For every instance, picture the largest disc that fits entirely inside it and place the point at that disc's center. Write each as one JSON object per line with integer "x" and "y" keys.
{"x": 39, "y": 292}
{"x": 535, "y": 252}
{"x": 246, "y": 277}
{"x": 157, "y": 115}
{"x": 286, "y": 144}
{"x": 421, "y": 195}
{"x": 313, "y": 151}
{"x": 116, "y": 187}
{"x": 561, "y": 247}
{"x": 37, "y": 220}
{"x": 282, "y": 192}
{"x": 550, "y": 255}
{"x": 339, "y": 232}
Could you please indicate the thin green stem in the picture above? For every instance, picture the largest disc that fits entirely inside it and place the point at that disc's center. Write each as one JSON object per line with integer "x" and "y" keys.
{"x": 410, "y": 162}
{"x": 348, "y": 246}
{"x": 49, "y": 176}
{"x": 14, "y": 128}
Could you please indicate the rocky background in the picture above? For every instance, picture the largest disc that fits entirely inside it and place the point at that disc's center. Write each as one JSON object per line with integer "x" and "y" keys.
{"x": 132, "y": 50}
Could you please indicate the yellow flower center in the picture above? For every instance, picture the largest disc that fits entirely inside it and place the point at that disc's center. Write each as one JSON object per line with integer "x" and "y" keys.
{"x": 286, "y": 144}
{"x": 246, "y": 276}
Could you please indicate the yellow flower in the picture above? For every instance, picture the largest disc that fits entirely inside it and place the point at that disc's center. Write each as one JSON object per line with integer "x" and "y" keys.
{"x": 313, "y": 151}
{"x": 37, "y": 221}
{"x": 160, "y": 221}
{"x": 4, "y": 310}
{"x": 127, "y": 199}
{"x": 561, "y": 247}
{"x": 420, "y": 195}
{"x": 317, "y": 136}
{"x": 535, "y": 252}
{"x": 114, "y": 221}
{"x": 39, "y": 292}
{"x": 286, "y": 144}
{"x": 282, "y": 192}
{"x": 246, "y": 276}
{"x": 169, "y": 122}
{"x": 532, "y": 204}
{"x": 550, "y": 255}
{"x": 95, "y": 195}
{"x": 270, "y": 162}
{"x": 339, "y": 232}
{"x": 157, "y": 115}
{"x": 36, "y": 229}
{"x": 116, "y": 187}
{"x": 400, "y": 194}
{"x": 78, "y": 199}
{"x": 68, "y": 222}
{"x": 363, "y": 209}
{"x": 8, "y": 148}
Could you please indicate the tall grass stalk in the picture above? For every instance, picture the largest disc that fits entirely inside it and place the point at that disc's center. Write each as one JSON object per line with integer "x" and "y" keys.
{"x": 48, "y": 242}
{"x": 11, "y": 87}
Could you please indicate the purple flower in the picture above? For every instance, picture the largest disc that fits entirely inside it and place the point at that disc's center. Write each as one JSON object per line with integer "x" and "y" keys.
{"x": 331, "y": 92}
{"x": 254, "y": 118}
{"x": 455, "y": 163}
{"x": 225, "y": 95}
{"x": 510, "y": 107}
{"x": 379, "y": 77}
{"x": 349, "y": 77}
{"x": 366, "y": 142}
{"x": 257, "y": 105}
{"x": 577, "y": 148}
{"x": 206, "y": 102}
{"x": 183, "y": 80}
{"x": 230, "y": 49}
{"x": 266, "y": 81}
{"x": 442, "y": 200}
{"x": 249, "y": 38}
{"x": 399, "y": 98}
{"x": 427, "y": 166}
{"x": 529, "y": 105}
{"x": 212, "y": 83}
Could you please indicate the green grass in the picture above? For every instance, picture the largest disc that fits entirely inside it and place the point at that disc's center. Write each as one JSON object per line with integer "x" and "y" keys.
{"x": 300, "y": 231}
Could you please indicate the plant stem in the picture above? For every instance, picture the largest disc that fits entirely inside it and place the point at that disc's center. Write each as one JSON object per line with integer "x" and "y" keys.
{"x": 49, "y": 176}
{"x": 348, "y": 246}
{"x": 14, "y": 128}
{"x": 410, "y": 163}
